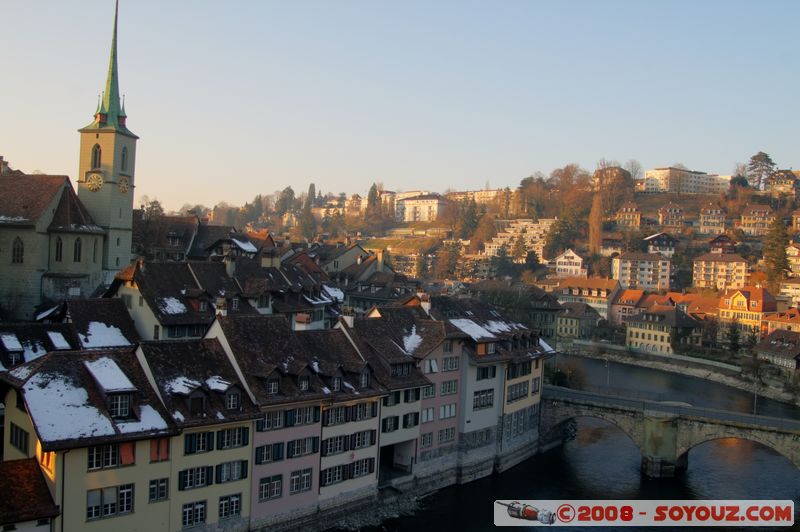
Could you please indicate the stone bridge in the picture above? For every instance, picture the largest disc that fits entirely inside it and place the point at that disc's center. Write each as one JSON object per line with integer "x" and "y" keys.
{"x": 666, "y": 431}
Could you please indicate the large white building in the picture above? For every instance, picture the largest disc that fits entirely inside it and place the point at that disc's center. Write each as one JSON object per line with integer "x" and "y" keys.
{"x": 533, "y": 232}
{"x": 680, "y": 180}
{"x": 422, "y": 208}
{"x": 645, "y": 271}
{"x": 570, "y": 264}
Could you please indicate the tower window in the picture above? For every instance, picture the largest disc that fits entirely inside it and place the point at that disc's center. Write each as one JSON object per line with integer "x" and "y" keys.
{"x": 76, "y": 255}
{"x": 59, "y": 249}
{"x": 123, "y": 164}
{"x": 96, "y": 156}
{"x": 17, "y": 251}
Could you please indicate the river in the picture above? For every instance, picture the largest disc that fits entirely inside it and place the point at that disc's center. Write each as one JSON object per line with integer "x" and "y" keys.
{"x": 603, "y": 463}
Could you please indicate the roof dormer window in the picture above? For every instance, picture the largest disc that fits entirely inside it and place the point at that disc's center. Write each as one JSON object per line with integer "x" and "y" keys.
{"x": 337, "y": 384}
{"x": 303, "y": 383}
{"x": 120, "y": 405}
{"x": 272, "y": 386}
{"x": 197, "y": 404}
{"x": 233, "y": 400}
{"x": 363, "y": 380}
{"x": 203, "y": 306}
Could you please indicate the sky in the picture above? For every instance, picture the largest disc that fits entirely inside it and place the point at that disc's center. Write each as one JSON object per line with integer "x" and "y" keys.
{"x": 236, "y": 98}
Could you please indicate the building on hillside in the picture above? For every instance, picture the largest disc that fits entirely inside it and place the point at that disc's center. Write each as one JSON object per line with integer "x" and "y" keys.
{"x": 722, "y": 244}
{"x": 626, "y": 303}
{"x": 671, "y": 215}
{"x": 790, "y": 288}
{"x": 481, "y": 197}
{"x": 611, "y": 246}
{"x": 422, "y": 208}
{"x": 473, "y": 268}
{"x": 534, "y": 234}
{"x": 610, "y": 178}
{"x": 782, "y": 183}
{"x": 788, "y": 320}
{"x": 793, "y": 256}
{"x": 782, "y": 349}
{"x": 745, "y": 308}
{"x": 712, "y": 220}
{"x": 756, "y": 220}
{"x": 720, "y": 271}
{"x": 570, "y": 264}
{"x": 629, "y": 216}
{"x": 662, "y": 330}
{"x": 662, "y": 243}
{"x": 796, "y": 220}
{"x": 596, "y": 292}
{"x": 576, "y": 320}
{"x": 683, "y": 181}
{"x": 646, "y": 271}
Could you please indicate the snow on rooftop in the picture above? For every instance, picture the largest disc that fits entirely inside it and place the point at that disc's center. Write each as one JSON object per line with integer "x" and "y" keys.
{"x": 177, "y": 416}
{"x": 149, "y": 420}
{"x": 546, "y": 346}
{"x": 182, "y": 385}
{"x": 217, "y": 383}
{"x": 412, "y": 341}
{"x": 220, "y": 415}
{"x": 334, "y": 293}
{"x": 108, "y": 375}
{"x": 74, "y": 416}
{"x": 497, "y": 326}
{"x": 171, "y": 305}
{"x": 315, "y": 301}
{"x": 12, "y": 219}
{"x": 21, "y": 372}
{"x": 472, "y": 329}
{"x": 44, "y": 314}
{"x": 103, "y": 335}
{"x": 59, "y": 342}
{"x": 326, "y": 390}
{"x": 245, "y": 246}
{"x": 315, "y": 366}
{"x": 33, "y": 350}
{"x": 11, "y": 342}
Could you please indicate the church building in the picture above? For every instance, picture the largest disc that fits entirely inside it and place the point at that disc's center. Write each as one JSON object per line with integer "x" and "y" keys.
{"x": 56, "y": 243}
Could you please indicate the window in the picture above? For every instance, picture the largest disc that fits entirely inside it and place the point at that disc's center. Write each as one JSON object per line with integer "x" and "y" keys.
{"x": 159, "y": 490}
{"x": 487, "y": 372}
{"x": 429, "y": 391}
{"x": 195, "y": 477}
{"x": 231, "y": 471}
{"x": 17, "y": 251}
{"x": 363, "y": 381}
{"x": 363, "y": 439}
{"x": 232, "y": 401}
{"x": 271, "y": 421}
{"x": 447, "y": 346}
{"x": 363, "y": 411}
{"x": 447, "y": 435}
{"x": 363, "y": 467}
{"x": 302, "y": 447}
{"x": 536, "y": 383}
{"x": 59, "y": 249}
{"x": 111, "y": 455}
{"x": 430, "y": 366}
{"x": 300, "y": 481}
{"x": 302, "y": 416}
{"x": 108, "y": 502}
{"x": 76, "y": 251}
{"x": 96, "y": 156}
{"x": 335, "y": 445}
{"x": 427, "y": 415}
{"x": 391, "y": 399}
{"x": 335, "y": 416}
{"x": 19, "y": 439}
{"x": 390, "y": 424}
{"x": 123, "y": 160}
{"x": 427, "y": 439}
{"x": 401, "y": 370}
{"x": 159, "y": 450}
{"x": 269, "y": 453}
{"x": 412, "y": 396}
{"x": 272, "y": 386}
{"x": 449, "y": 387}
{"x": 199, "y": 442}
{"x": 230, "y": 438}
{"x": 447, "y": 411}
{"x": 270, "y": 487}
{"x": 303, "y": 381}
{"x": 517, "y": 391}
{"x": 490, "y": 348}
{"x": 155, "y": 332}
{"x": 518, "y": 370}
{"x": 230, "y": 506}
{"x": 235, "y": 302}
{"x": 449, "y": 363}
{"x": 194, "y": 513}
{"x": 333, "y": 475}
{"x": 120, "y": 405}
{"x": 337, "y": 384}
{"x": 410, "y": 420}
{"x": 483, "y": 399}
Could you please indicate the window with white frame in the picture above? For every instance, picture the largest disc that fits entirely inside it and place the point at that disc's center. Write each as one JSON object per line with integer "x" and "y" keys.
{"x": 427, "y": 415}
{"x": 536, "y": 383}
{"x": 362, "y": 411}
{"x": 304, "y": 383}
{"x": 230, "y": 505}
{"x": 304, "y": 415}
{"x": 483, "y": 399}
{"x": 447, "y": 435}
{"x": 337, "y": 384}
{"x": 272, "y": 386}
{"x": 430, "y": 366}
{"x": 158, "y": 490}
{"x": 362, "y": 439}
{"x": 108, "y": 502}
{"x": 363, "y": 380}
{"x": 334, "y": 445}
{"x": 333, "y": 475}
{"x": 390, "y": 424}
{"x": 195, "y": 477}
{"x": 449, "y": 363}
{"x": 230, "y": 438}
{"x": 194, "y": 513}
{"x": 335, "y": 416}
{"x": 120, "y": 405}
{"x": 270, "y": 487}
{"x": 486, "y": 372}
{"x": 271, "y": 421}
{"x": 233, "y": 400}
{"x": 231, "y": 471}
{"x": 302, "y": 447}
{"x": 427, "y": 439}
{"x": 447, "y": 411}
{"x": 447, "y": 346}
{"x": 363, "y": 467}
{"x": 518, "y": 391}
{"x": 429, "y": 391}
{"x": 449, "y": 387}
{"x": 300, "y": 481}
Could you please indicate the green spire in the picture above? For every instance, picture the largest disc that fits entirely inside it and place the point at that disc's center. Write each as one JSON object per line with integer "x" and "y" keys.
{"x": 111, "y": 94}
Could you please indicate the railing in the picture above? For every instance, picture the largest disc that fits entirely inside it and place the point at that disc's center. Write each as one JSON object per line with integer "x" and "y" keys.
{"x": 651, "y": 404}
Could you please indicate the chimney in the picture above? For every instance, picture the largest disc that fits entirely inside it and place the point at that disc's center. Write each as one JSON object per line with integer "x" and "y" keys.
{"x": 425, "y": 302}
{"x": 358, "y": 260}
{"x": 222, "y": 306}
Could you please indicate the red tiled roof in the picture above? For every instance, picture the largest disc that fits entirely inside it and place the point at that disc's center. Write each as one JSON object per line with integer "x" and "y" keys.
{"x": 27, "y": 497}
{"x": 23, "y": 199}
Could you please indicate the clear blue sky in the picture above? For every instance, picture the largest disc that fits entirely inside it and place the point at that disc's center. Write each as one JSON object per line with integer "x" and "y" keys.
{"x": 236, "y": 98}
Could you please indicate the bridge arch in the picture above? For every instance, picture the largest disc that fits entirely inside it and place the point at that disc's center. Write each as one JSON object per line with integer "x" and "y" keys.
{"x": 557, "y": 413}
{"x": 786, "y": 446}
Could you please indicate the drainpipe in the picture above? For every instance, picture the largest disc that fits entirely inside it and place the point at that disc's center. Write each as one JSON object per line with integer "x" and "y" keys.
{"x": 63, "y": 475}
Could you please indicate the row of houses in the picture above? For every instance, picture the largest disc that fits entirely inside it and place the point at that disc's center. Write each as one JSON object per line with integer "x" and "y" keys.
{"x": 257, "y": 424}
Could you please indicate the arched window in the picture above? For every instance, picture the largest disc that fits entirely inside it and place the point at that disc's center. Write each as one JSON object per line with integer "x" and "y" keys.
{"x": 96, "y": 156}
{"x": 17, "y": 251}
{"x": 123, "y": 162}
{"x": 59, "y": 249}
{"x": 94, "y": 251}
{"x": 76, "y": 256}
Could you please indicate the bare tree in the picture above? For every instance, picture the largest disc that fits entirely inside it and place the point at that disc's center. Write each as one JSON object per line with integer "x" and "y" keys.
{"x": 635, "y": 168}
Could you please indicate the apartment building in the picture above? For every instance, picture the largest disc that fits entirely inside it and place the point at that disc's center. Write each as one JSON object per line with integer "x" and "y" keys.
{"x": 745, "y": 308}
{"x": 629, "y": 216}
{"x": 596, "y": 292}
{"x": 720, "y": 271}
{"x": 662, "y": 330}
{"x": 712, "y": 220}
{"x": 645, "y": 271}
{"x": 422, "y": 208}
{"x": 756, "y": 220}
{"x": 788, "y": 320}
{"x": 570, "y": 264}
{"x": 662, "y": 243}
{"x": 671, "y": 215}
{"x": 534, "y": 233}
{"x": 684, "y": 181}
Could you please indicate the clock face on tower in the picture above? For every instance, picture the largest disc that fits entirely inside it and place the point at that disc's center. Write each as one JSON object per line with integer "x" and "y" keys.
{"x": 123, "y": 184}
{"x": 94, "y": 182}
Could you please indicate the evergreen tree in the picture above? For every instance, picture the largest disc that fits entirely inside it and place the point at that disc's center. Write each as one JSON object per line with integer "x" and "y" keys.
{"x": 519, "y": 250}
{"x": 759, "y": 169}
{"x": 596, "y": 224}
{"x": 775, "y": 252}
{"x": 733, "y": 336}
{"x": 502, "y": 265}
{"x": 285, "y": 201}
{"x": 373, "y": 206}
{"x": 469, "y": 219}
{"x": 308, "y": 225}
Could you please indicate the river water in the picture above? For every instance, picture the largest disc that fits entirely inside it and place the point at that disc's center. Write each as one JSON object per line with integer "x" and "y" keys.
{"x": 603, "y": 463}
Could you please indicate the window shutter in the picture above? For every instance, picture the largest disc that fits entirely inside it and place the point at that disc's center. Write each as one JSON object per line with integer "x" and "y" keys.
{"x": 347, "y": 442}
{"x": 371, "y": 465}
{"x": 386, "y": 401}
{"x": 322, "y": 478}
{"x": 126, "y": 453}
{"x": 261, "y": 425}
{"x": 326, "y": 418}
{"x": 397, "y": 397}
{"x": 189, "y": 444}
{"x": 209, "y": 475}
{"x": 316, "y": 414}
{"x": 324, "y": 451}
{"x": 219, "y": 474}
{"x": 219, "y": 439}
{"x": 260, "y": 454}
{"x": 277, "y": 451}
{"x": 347, "y": 414}
{"x": 315, "y": 445}
{"x": 416, "y": 418}
{"x": 374, "y": 408}
{"x": 181, "y": 480}
{"x": 383, "y": 425}
{"x": 243, "y": 464}
{"x": 290, "y": 449}
{"x": 373, "y": 438}
{"x": 163, "y": 449}
{"x": 154, "y": 450}
{"x": 406, "y": 396}
{"x": 209, "y": 440}
{"x": 347, "y": 471}
{"x": 289, "y": 418}
{"x": 246, "y": 436}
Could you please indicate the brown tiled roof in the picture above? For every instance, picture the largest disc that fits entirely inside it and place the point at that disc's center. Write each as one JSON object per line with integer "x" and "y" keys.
{"x": 598, "y": 283}
{"x": 674, "y": 317}
{"x": 158, "y": 230}
{"x": 719, "y": 257}
{"x": 180, "y": 367}
{"x": 23, "y": 199}
{"x": 163, "y": 282}
{"x": 26, "y": 496}
{"x": 628, "y": 296}
{"x": 109, "y": 311}
{"x": 71, "y": 216}
{"x": 640, "y": 256}
{"x": 781, "y": 343}
{"x": 578, "y": 310}
{"x": 791, "y": 315}
{"x": 36, "y": 339}
{"x": 765, "y": 302}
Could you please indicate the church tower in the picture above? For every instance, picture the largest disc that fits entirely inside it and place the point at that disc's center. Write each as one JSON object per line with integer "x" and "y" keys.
{"x": 106, "y": 168}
